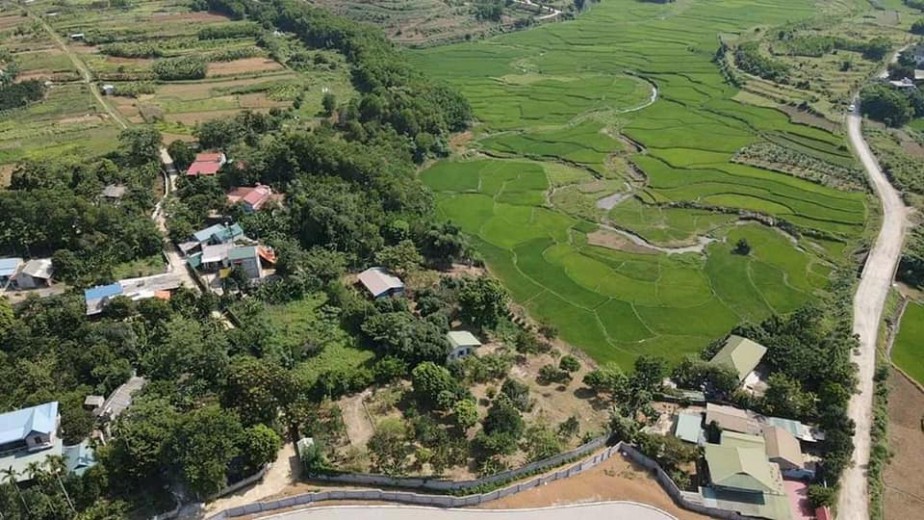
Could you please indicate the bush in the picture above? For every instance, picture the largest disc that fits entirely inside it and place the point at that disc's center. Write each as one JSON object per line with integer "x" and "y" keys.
{"x": 187, "y": 67}
{"x": 21, "y": 94}
{"x": 549, "y": 374}
{"x": 918, "y": 26}
{"x": 229, "y": 31}
{"x": 569, "y": 364}
{"x": 883, "y": 103}
{"x": 749, "y": 59}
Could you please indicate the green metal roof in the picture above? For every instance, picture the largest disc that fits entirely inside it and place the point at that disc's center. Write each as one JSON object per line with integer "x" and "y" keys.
{"x": 743, "y": 440}
{"x": 742, "y": 354}
{"x": 462, "y": 338}
{"x": 241, "y": 253}
{"x": 745, "y": 469}
{"x": 689, "y": 427}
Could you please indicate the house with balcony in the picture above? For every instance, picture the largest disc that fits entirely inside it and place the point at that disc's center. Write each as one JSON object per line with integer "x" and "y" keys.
{"x": 29, "y": 435}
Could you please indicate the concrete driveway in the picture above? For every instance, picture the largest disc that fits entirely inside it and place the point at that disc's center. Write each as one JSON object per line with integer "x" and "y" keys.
{"x": 597, "y": 511}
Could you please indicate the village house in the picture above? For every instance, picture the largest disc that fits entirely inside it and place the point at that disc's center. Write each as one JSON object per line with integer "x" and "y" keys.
{"x": 29, "y": 435}
{"x": 462, "y": 343}
{"x": 156, "y": 286}
{"x": 114, "y": 192}
{"x": 206, "y": 164}
{"x": 741, "y": 355}
{"x": 784, "y": 450}
{"x": 380, "y": 284}
{"x": 729, "y": 418}
{"x": 688, "y": 427}
{"x": 253, "y": 199}
{"x": 212, "y": 235}
{"x": 251, "y": 259}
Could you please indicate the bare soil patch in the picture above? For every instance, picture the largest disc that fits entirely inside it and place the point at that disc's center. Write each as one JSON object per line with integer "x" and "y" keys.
{"x": 807, "y": 118}
{"x": 242, "y": 66}
{"x": 358, "y": 426}
{"x": 6, "y": 173}
{"x": 259, "y": 100}
{"x": 7, "y": 22}
{"x": 614, "y": 479}
{"x": 904, "y": 481}
{"x": 35, "y": 74}
{"x": 203, "y": 89}
{"x": 611, "y": 240}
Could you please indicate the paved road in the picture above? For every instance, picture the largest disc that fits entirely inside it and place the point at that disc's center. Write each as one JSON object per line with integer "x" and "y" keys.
{"x": 607, "y": 510}
{"x": 853, "y": 503}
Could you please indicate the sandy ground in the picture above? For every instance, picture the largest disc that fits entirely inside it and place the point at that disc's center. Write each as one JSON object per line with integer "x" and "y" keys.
{"x": 611, "y": 240}
{"x": 358, "y": 427}
{"x": 867, "y": 311}
{"x": 615, "y": 479}
{"x": 282, "y": 474}
{"x": 904, "y": 482}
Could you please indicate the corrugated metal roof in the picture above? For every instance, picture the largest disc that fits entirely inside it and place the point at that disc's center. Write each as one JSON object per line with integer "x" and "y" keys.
{"x": 242, "y": 253}
{"x": 378, "y": 282}
{"x": 17, "y": 425}
{"x": 689, "y": 427}
{"x": 742, "y": 354}
{"x": 38, "y": 268}
{"x": 741, "y": 468}
{"x": 9, "y": 266}
{"x": 732, "y": 419}
{"x": 783, "y": 445}
{"x": 462, "y": 338}
{"x": 102, "y": 291}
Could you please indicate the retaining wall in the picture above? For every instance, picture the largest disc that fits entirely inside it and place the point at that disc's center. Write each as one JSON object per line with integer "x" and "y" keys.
{"x": 376, "y": 480}
{"x": 445, "y": 501}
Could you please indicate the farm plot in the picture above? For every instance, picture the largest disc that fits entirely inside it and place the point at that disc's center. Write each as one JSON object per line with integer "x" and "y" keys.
{"x": 616, "y": 302}
{"x": 176, "y": 68}
{"x": 908, "y": 350}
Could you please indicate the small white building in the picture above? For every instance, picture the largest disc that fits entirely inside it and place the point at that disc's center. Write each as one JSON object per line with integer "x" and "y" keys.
{"x": 463, "y": 344}
{"x": 108, "y": 89}
{"x": 380, "y": 284}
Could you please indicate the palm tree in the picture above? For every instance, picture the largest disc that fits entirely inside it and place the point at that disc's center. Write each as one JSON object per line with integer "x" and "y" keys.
{"x": 10, "y": 475}
{"x": 57, "y": 465}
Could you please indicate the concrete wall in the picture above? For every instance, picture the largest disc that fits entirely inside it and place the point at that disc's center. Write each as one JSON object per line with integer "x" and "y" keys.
{"x": 404, "y": 497}
{"x": 376, "y": 480}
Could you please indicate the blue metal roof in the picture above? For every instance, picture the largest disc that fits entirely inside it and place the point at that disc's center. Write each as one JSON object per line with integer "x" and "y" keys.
{"x": 79, "y": 458}
{"x": 8, "y": 266}
{"x": 16, "y": 426}
{"x": 220, "y": 231}
{"x": 206, "y": 234}
{"x": 102, "y": 291}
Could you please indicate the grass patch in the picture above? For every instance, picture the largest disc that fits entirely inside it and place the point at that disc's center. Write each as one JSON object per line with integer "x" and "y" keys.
{"x": 908, "y": 350}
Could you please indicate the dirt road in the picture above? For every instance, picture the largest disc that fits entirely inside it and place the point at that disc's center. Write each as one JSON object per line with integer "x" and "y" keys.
{"x": 853, "y": 503}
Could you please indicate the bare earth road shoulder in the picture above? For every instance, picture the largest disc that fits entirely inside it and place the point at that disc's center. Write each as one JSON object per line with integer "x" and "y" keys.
{"x": 610, "y": 510}
{"x": 853, "y": 503}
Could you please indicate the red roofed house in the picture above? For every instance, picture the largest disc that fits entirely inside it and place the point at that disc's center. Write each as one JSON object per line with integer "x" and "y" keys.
{"x": 207, "y": 163}
{"x": 253, "y": 198}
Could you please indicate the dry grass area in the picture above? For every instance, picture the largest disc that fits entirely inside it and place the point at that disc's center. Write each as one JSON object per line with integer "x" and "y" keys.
{"x": 615, "y": 479}
{"x": 904, "y": 481}
{"x": 194, "y": 118}
{"x": 6, "y": 173}
{"x": 201, "y": 17}
{"x": 242, "y": 66}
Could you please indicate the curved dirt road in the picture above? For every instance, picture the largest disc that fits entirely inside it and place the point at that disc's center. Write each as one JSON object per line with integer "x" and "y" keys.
{"x": 853, "y": 503}
{"x": 609, "y": 510}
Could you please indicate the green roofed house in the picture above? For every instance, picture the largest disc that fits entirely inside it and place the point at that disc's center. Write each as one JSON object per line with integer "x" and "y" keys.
{"x": 741, "y": 354}
{"x": 462, "y": 342}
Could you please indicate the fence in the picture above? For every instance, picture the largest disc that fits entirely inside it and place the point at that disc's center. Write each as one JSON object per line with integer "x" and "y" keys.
{"x": 404, "y": 497}
{"x": 679, "y": 497}
{"x": 241, "y": 483}
{"x": 374, "y": 480}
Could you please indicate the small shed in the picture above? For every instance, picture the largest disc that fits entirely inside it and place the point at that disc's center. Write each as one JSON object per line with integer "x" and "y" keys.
{"x": 94, "y": 403}
{"x": 36, "y": 273}
{"x": 114, "y": 192}
{"x": 462, "y": 343}
{"x": 380, "y": 284}
{"x": 108, "y": 89}
{"x": 77, "y": 37}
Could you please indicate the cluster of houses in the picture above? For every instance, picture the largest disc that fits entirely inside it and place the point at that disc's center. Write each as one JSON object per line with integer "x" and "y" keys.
{"x": 159, "y": 286}
{"x": 757, "y": 465}
{"x": 31, "y": 435}
{"x": 218, "y": 249}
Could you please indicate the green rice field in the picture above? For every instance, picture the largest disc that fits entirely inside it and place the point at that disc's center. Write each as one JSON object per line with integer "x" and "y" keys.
{"x": 908, "y": 350}
{"x": 576, "y": 95}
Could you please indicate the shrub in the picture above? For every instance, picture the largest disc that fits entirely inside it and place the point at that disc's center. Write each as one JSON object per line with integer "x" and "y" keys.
{"x": 569, "y": 364}
{"x": 187, "y": 67}
{"x": 549, "y": 374}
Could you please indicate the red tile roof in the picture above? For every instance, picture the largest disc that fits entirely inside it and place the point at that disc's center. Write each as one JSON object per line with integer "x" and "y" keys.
{"x": 203, "y": 168}
{"x": 208, "y": 157}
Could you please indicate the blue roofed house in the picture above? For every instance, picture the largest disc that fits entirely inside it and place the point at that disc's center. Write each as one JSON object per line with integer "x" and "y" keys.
{"x": 97, "y": 297}
{"x": 211, "y": 236}
{"x": 8, "y": 269}
{"x": 29, "y": 435}
{"x": 79, "y": 458}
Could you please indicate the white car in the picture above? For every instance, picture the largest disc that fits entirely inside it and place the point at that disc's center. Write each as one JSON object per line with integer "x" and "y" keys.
{"x": 852, "y": 108}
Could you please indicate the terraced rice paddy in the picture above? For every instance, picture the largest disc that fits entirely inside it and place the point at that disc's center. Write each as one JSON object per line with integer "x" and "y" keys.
{"x": 908, "y": 350}
{"x": 568, "y": 97}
